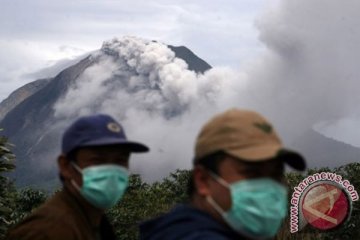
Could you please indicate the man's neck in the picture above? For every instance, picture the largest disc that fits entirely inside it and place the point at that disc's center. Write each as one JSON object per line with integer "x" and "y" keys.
{"x": 201, "y": 203}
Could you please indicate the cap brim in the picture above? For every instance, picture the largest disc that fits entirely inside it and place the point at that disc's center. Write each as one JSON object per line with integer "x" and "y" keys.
{"x": 260, "y": 153}
{"x": 132, "y": 146}
{"x": 256, "y": 153}
{"x": 293, "y": 159}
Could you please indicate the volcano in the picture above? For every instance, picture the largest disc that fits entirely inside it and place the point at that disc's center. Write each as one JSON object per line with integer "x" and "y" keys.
{"x": 129, "y": 78}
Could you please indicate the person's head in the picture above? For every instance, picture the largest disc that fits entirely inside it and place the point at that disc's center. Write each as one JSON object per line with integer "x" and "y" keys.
{"x": 239, "y": 165}
{"x": 96, "y": 152}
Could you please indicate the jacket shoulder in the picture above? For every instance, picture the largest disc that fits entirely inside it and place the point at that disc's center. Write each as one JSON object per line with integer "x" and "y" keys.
{"x": 41, "y": 228}
{"x": 185, "y": 222}
{"x": 50, "y": 221}
{"x": 207, "y": 235}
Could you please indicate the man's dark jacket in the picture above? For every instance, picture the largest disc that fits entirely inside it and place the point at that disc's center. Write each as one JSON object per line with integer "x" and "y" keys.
{"x": 186, "y": 222}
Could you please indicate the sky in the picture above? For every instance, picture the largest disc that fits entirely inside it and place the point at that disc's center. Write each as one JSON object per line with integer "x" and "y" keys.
{"x": 36, "y": 34}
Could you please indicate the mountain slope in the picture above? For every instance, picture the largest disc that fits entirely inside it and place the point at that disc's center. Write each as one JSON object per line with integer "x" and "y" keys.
{"x": 20, "y": 95}
{"x": 35, "y": 124}
{"x": 324, "y": 151}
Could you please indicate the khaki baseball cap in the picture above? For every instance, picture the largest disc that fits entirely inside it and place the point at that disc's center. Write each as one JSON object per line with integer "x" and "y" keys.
{"x": 246, "y": 135}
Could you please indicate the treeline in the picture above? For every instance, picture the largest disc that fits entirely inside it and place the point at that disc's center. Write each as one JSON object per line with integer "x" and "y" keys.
{"x": 143, "y": 201}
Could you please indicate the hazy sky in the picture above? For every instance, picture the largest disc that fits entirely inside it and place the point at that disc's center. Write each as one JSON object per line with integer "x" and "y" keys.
{"x": 35, "y": 34}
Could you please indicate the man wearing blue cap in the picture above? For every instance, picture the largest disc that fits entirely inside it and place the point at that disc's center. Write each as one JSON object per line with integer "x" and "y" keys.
{"x": 94, "y": 170}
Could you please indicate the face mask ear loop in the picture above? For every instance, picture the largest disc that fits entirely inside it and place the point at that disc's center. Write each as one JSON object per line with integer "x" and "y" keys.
{"x": 211, "y": 201}
{"x": 219, "y": 180}
{"x": 76, "y": 167}
{"x": 75, "y": 185}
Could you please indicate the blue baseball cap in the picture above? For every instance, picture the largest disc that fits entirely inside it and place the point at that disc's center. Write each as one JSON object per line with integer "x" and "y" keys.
{"x": 97, "y": 130}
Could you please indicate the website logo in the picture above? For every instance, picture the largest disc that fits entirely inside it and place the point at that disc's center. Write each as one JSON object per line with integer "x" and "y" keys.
{"x": 323, "y": 200}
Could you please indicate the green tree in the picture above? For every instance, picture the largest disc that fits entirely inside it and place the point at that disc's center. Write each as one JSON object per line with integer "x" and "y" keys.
{"x": 7, "y": 190}
{"x": 26, "y": 200}
{"x": 143, "y": 201}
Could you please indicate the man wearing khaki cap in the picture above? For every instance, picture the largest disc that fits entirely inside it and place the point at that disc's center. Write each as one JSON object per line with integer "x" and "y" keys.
{"x": 237, "y": 189}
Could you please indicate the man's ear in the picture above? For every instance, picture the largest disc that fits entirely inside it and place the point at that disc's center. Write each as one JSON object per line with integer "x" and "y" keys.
{"x": 65, "y": 167}
{"x": 201, "y": 180}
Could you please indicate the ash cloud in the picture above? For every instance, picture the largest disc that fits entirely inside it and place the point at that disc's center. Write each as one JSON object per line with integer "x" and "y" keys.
{"x": 309, "y": 72}
{"x": 153, "y": 94}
